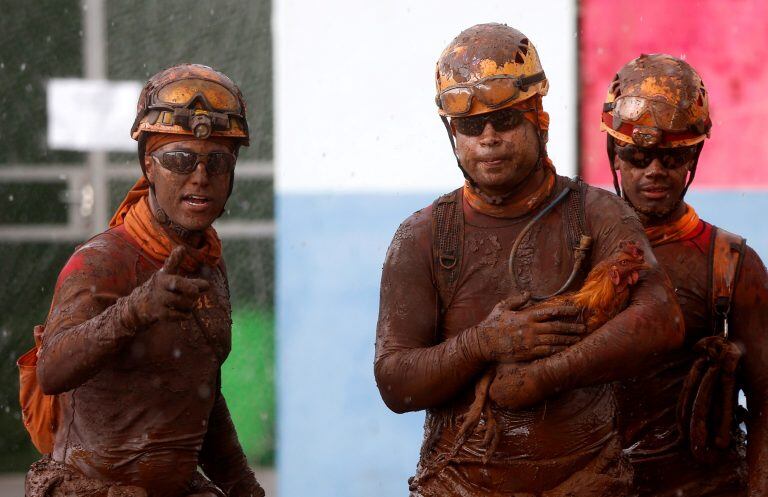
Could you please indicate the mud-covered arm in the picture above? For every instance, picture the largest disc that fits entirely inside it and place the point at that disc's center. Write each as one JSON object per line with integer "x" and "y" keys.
{"x": 651, "y": 324}
{"x": 749, "y": 329}
{"x": 89, "y": 321}
{"x": 222, "y": 458}
{"x": 414, "y": 368}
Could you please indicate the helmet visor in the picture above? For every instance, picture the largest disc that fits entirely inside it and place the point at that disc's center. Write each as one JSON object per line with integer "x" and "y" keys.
{"x": 179, "y": 93}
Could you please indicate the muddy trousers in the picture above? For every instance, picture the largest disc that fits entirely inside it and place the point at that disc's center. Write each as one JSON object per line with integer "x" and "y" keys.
{"x": 608, "y": 473}
{"x": 49, "y": 478}
{"x": 678, "y": 474}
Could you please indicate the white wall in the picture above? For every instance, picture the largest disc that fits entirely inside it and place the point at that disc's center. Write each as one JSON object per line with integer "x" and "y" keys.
{"x": 354, "y": 88}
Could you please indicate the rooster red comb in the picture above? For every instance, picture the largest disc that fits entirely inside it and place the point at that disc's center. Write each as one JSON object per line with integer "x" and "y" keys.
{"x": 631, "y": 248}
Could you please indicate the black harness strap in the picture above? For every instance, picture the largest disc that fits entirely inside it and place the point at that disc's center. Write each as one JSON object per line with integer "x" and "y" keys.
{"x": 727, "y": 256}
{"x": 447, "y": 243}
{"x": 448, "y": 235}
{"x": 576, "y": 212}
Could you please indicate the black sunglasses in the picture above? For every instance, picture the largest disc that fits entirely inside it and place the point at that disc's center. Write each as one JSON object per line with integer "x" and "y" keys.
{"x": 501, "y": 120}
{"x": 670, "y": 158}
{"x": 181, "y": 162}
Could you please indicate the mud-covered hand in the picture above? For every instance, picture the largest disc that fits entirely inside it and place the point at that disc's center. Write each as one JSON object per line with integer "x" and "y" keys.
{"x": 508, "y": 335}
{"x": 517, "y": 386}
{"x": 166, "y": 296}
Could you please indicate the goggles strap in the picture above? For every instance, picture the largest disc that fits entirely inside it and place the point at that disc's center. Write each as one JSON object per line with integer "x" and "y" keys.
{"x": 526, "y": 81}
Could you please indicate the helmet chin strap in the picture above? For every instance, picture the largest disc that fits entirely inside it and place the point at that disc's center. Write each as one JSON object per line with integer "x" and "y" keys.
{"x": 541, "y": 153}
{"x": 453, "y": 147}
{"x": 185, "y": 235}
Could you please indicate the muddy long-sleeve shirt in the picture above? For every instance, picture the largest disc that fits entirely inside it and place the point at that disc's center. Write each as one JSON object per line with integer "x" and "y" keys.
{"x": 139, "y": 407}
{"x": 425, "y": 360}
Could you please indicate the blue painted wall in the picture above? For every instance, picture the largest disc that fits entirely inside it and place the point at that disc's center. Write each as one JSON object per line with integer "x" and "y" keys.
{"x": 336, "y": 438}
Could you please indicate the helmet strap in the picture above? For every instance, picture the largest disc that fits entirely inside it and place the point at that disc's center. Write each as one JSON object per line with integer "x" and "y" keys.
{"x": 692, "y": 171}
{"x": 190, "y": 237}
{"x": 541, "y": 151}
{"x": 611, "y": 158}
{"x": 453, "y": 147}
{"x": 616, "y": 185}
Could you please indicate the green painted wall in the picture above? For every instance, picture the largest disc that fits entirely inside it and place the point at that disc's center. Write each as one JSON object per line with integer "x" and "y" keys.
{"x": 43, "y": 39}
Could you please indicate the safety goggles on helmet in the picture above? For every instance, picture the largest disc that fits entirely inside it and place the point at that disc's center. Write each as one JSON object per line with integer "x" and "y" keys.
{"x": 669, "y": 158}
{"x": 493, "y": 91}
{"x": 196, "y": 105}
{"x": 501, "y": 120}
{"x": 663, "y": 114}
{"x": 183, "y": 162}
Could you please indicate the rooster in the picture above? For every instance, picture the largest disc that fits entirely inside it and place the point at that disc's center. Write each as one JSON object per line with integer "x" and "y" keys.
{"x": 605, "y": 293}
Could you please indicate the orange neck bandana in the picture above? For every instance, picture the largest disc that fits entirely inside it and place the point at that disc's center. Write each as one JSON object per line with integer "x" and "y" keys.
{"x": 674, "y": 231}
{"x": 538, "y": 117}
{"x": 529, "y": 198}
{"x": 143, "y": 227}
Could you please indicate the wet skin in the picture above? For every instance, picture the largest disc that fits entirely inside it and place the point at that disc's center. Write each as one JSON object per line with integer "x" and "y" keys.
{"x": 499, "y": 161}
{"x": 654, "y": 191}
{"x": 173, "y": 190}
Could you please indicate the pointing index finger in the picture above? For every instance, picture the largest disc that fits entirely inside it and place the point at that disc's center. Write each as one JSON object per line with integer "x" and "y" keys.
{"x": 174, "y": 260}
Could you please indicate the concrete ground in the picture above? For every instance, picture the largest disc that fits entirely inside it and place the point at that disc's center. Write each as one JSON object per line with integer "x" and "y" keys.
{"x": 12, "y": 484}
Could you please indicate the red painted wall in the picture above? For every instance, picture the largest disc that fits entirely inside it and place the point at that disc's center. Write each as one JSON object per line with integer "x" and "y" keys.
{"x": 725, "y": 41}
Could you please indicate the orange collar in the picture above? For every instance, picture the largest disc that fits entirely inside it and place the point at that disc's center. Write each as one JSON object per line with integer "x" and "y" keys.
{"x": 141, "y": 224}
{"x": 530, "y": 198}
{"x": 674, "y": 231}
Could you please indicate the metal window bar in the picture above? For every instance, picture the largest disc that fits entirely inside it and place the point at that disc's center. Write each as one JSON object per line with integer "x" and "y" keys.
{"x": 79, "y": 201}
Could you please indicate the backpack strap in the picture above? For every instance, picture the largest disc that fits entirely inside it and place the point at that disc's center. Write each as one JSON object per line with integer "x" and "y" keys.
{"x": 727, "y": 258}
{"x": 447, "y": 244}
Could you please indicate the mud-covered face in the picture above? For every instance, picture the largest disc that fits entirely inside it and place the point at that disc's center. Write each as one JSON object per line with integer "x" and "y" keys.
{"x": 191, "y": 200}
{"x": 498, "y": 161}
{"x": 653, "y": 180}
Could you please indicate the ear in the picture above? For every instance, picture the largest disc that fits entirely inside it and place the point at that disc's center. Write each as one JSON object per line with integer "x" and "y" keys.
{"x": 149, "y": 168}
{"x": 614, "y": 273}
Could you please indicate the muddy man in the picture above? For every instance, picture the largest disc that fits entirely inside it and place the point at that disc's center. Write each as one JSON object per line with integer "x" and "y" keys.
{"x": 678, "y": 416}
{"x": 140, "y": 322}
{"x": 458, "y": 271}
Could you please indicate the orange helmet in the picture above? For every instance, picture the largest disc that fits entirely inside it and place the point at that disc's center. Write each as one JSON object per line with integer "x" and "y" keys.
{"x": 486, "y": 68}
{"x": 191, "y": 99}
{"x": 657, "y": 101}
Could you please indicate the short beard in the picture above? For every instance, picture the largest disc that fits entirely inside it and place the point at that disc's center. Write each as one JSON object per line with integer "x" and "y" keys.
{"x": 655, "y": 216}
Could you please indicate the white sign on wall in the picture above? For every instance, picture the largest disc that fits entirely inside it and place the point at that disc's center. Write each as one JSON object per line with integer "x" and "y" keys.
{"x": 91, "y": 115}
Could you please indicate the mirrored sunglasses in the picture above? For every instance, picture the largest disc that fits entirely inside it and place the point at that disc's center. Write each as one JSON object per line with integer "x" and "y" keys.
{"x": 670, "y": 158}
{"x": 182, "y": 162}
{"x": 501, "y": 120}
